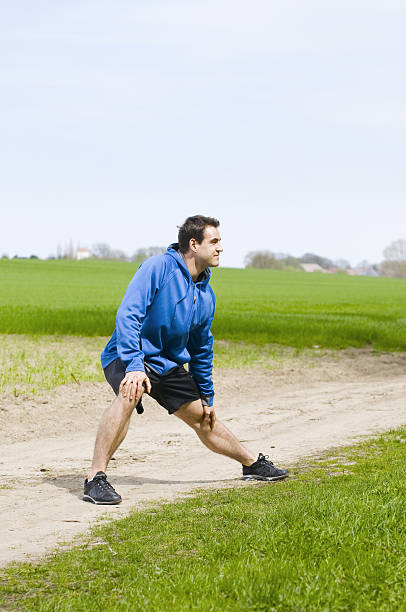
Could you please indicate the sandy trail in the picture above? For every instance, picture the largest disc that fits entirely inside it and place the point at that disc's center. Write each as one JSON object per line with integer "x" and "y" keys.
{"x": 288, "y": 414}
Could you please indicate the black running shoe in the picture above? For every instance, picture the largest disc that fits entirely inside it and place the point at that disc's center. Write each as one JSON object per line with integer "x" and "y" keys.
{"x": 263, "y": 469}
{"x": 99, "y": 491}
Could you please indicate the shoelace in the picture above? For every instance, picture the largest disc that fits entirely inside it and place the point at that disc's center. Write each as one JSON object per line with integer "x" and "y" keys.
{"x": 101, "y": 482}
{"x": 265, "y": 459}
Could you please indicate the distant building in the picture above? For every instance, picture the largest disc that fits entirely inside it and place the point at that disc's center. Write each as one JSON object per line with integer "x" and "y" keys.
{"x": 363, "y": 272}
{"x": 82, "y": 254}
{"x": 312, "y": 267}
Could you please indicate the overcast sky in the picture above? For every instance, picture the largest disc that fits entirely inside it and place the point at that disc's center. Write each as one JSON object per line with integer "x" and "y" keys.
{"x": 285, "y": 119}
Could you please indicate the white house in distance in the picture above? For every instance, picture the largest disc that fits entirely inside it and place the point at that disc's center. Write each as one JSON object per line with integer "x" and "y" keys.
{"x": 312, "y": 267}
{"x": 82, "y": 254}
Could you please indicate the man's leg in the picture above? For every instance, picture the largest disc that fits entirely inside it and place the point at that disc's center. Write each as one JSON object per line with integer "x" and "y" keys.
{"x": 219, "y": 439}
{"x": 112, "y": 430}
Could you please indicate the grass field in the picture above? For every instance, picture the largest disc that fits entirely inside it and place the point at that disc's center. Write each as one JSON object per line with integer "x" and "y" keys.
{"x": 254, "y": 306}
{"x": 333, "y": 538}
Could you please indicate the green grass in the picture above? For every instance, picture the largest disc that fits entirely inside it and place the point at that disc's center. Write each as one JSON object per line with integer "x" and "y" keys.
{"x": 254, "y": 306}
{"x": 331, "y": 539}
{"x": 299, "y": 309}
{"x": 32, "y": 364}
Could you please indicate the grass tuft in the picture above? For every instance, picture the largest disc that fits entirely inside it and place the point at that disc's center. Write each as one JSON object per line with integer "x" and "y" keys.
{"x": 31, "y": 364}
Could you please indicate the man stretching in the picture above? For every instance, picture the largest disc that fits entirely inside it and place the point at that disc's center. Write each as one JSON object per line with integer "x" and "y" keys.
{"x": 163, "y": 323}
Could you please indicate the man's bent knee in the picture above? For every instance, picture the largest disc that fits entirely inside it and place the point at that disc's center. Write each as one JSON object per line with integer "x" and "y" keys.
{"x": 192, "y": 414}
{"x": 124, "y": 404}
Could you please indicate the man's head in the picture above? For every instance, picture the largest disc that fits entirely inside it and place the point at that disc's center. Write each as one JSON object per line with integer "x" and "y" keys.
{"x": 200, "y": 236}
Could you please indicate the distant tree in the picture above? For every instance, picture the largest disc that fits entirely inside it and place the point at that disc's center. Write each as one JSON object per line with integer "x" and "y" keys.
{"x": 271, "y": 261}
{"x": 288, "y": 260}
{"x": 394, "y": 263}
{"x": 281, "y": 255}
{"x": 34, "y": 257}
{"x": 323, "y": 262}
{"x": 291, "y": 262}
{"x": 119, "y": 255}
{"x": 70, "y": 250}
{"x": 343, "y": 264}
{"x": 396, "y": 251}
{"x": 364, "y": 265}
{"x": 102, "y": 250}
{"x": 66, "y": 251}
{"x": 262, "y": 259}
{"x": 142, "y": 254}
{"x": 5, "y": 256}
{"x": 394, "y": 269}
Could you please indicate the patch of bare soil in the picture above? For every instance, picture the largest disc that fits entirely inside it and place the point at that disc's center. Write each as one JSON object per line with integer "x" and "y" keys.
{"x": 298, "y": 410}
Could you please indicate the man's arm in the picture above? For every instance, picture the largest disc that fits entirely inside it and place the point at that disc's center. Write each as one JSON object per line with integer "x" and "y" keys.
{"x": 200, "y": 348}
{"x": 130, "y": 315}
{"x": 209, "y": 416}
{"x": 133, "y": 309}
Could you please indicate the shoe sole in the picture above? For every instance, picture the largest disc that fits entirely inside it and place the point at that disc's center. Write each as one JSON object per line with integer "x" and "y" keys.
{"x": 87, "y": 498}
{"x": 265, "y": 478}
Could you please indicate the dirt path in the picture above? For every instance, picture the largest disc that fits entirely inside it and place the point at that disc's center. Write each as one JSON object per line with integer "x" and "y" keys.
{"x": 289, "y": 414}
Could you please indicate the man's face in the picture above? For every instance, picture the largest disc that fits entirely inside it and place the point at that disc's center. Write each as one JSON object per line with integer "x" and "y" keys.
{"x": 208, "y": 251}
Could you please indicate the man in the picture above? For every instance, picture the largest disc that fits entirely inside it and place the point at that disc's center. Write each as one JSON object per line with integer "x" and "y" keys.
{"x": 163, "y": 323}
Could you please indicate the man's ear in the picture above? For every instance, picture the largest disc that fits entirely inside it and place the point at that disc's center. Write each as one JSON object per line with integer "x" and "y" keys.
{"x": 192, "y": 244}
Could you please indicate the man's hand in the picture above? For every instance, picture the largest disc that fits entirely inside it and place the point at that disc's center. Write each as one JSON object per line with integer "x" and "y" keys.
{"x": 132, "y": 386}
{"x": 209, "y": 416}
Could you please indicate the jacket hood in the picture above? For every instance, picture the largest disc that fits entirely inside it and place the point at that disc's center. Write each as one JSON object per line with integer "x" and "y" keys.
{"x": 173, "y": 251}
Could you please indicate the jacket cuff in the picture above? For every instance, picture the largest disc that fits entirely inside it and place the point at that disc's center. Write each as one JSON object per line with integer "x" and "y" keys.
{"x": 136, "y": 365}
{"x": 207, "y": 400}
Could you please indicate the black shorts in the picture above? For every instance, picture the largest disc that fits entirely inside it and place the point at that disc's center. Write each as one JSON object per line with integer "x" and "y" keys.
{"x": 171, "y": 390}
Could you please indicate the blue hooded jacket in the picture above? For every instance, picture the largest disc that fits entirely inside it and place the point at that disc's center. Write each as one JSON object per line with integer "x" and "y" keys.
{"x": 165, "y": 318}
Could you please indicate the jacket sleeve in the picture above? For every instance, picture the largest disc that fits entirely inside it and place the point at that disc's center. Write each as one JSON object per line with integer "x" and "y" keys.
{"x": 200, "y": 348}
{"x": 131, "y": 313}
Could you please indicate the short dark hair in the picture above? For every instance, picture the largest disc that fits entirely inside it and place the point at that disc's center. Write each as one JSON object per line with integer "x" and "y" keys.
{"x": 194, "y": 227}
